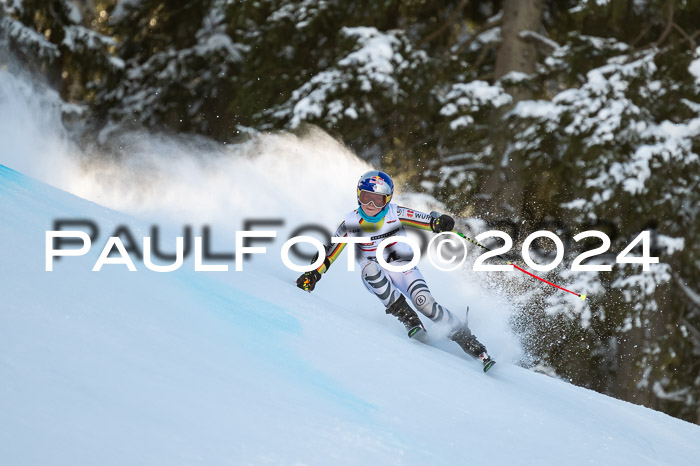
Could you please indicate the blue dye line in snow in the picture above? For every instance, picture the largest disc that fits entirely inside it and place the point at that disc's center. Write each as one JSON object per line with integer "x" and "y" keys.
{"x": 265, "y": 328}
{"x": 269, "y": 328}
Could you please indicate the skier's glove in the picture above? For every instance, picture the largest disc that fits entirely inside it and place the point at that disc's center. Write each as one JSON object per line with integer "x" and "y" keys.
{"x": 442, "y": 223}
{"x": 307, "y": 281}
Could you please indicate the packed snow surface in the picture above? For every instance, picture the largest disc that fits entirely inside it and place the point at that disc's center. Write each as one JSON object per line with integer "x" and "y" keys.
{"x": 118, "y": 367}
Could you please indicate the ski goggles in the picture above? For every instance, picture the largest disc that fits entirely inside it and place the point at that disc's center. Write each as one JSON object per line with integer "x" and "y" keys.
{"x": 376, "y": 199}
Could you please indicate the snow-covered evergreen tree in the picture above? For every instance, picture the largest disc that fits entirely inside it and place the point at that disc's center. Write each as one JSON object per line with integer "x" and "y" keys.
{"x": 180, "y": 66}
{"x": 56, "y": 39}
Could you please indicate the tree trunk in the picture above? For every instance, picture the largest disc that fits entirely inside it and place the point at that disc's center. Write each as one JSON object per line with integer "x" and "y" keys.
{"x": 515, "y": 54}
{"x": 504, "y": 187}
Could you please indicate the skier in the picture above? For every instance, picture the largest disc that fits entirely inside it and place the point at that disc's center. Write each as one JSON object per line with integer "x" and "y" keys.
{"x": 377, "y": 218}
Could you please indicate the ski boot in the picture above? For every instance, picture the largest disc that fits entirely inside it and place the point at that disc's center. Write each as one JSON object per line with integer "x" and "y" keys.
{"x": 486, "y": 361}
{"x": 468, "y": 342}
{"x": 407, "y": 316}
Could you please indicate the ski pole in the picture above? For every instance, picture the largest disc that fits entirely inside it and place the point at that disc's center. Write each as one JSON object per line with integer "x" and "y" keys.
{"x": 461, "y": 235}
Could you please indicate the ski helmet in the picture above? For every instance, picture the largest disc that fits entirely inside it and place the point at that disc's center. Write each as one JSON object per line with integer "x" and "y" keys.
{"x": 378, "y": 190}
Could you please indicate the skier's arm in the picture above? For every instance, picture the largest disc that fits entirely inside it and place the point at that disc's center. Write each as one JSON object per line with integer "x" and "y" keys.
{"x": 422, "y": 221}
{"x": 307, "y": 281}
{"x": 333, "y": 250}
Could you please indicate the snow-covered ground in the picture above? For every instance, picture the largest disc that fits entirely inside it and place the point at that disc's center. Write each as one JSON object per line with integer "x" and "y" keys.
{"x": 118, "y": 367}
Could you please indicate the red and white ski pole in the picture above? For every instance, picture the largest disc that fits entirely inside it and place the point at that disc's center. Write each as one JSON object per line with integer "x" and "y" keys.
{"x": 582, "y": 296}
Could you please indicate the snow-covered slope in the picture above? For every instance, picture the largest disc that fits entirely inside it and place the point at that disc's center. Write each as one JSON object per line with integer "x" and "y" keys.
{"x": 118, "y": 367}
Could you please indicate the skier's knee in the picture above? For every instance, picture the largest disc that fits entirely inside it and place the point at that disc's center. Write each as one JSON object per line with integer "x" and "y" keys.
{"x": 430, "y": 308}
{"x": 373, "y": 274}
{"x": 379, "y": 283}
{"x": 424, "y": 302}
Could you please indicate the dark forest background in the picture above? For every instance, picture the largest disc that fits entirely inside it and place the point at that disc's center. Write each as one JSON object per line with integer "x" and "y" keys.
{"x": 563, "y": 115}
